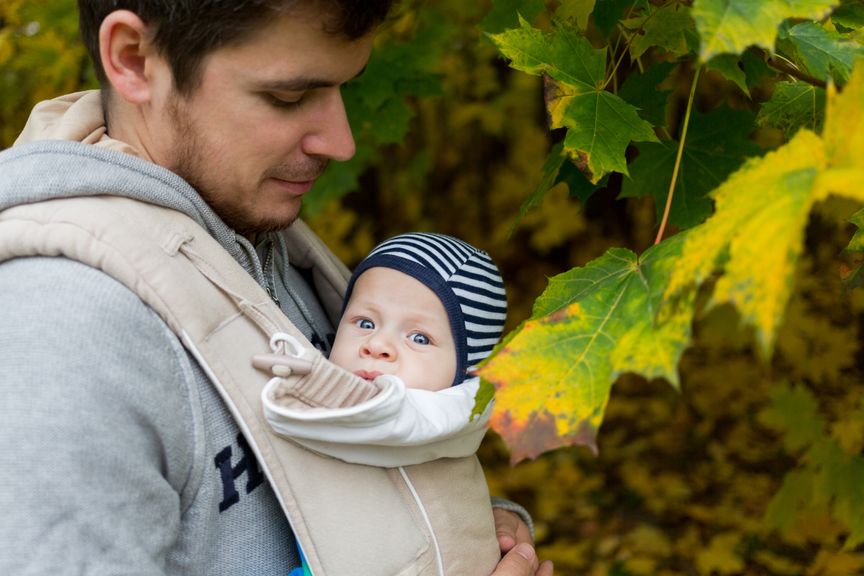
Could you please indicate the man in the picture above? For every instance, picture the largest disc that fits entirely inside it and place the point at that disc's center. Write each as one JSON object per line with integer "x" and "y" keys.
{"x": 118, "y": 455}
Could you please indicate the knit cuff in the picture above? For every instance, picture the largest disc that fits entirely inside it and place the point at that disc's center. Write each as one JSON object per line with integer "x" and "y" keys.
{"x": 326, "y": 386}
{"x": 505, "y": 504}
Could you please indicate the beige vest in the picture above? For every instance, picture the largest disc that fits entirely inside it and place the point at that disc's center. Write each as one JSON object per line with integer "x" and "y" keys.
{"x": 428, "y": 519}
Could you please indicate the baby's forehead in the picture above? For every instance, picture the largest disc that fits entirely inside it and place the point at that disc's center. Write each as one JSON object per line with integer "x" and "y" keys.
{"x": 385, "y": 279}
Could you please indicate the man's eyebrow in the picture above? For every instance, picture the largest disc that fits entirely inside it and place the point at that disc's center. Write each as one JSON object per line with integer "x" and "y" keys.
{"x": 301, "y": 83}
{"x": 294, "y": 84}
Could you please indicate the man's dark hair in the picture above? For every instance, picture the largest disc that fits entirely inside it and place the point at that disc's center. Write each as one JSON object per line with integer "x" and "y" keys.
{"x": 186, "y": 31}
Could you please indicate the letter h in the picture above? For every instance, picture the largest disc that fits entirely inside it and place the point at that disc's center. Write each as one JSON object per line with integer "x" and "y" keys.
{"x": 229, "y": 473}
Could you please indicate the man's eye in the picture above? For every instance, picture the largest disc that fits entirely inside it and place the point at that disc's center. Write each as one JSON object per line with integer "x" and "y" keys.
{"x": 365, "y": 324}
{"x": 420, "y": 338}
{"x": 284, "y": 102}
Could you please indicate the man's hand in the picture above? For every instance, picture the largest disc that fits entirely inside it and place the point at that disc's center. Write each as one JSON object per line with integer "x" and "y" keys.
{"x": 514, "y": 539}
{"x": 510, "y": 529}
{"x": 522, "y": 561}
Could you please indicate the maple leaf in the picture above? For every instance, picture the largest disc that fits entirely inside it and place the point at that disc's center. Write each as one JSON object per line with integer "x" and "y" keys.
{"x": 716, "y": 145}
{"x": 823, "y": 52}
{"x": 855, "y": 278}
{"x": 607, "y": 13}
{"x": 856, "y": 244}
{"x": 849, "y": 15}
{"x": 644, "y": 92}
{"x": 554, "y": 373}
{"x": 793, "y": 105}
{"x": 729, "y": 66}
{"x": 758, "y": 229}
{"x": 600, "y": 125}
{"x": 844, "y": 138}
{"x": 577, "y": 11}
{"x": 665, "y": 27}
{"x": 755, "y": 235}
{"x": 733, "y": 25}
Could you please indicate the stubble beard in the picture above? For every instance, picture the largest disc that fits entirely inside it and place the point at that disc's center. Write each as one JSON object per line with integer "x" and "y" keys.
{"x": 188, "y": 160}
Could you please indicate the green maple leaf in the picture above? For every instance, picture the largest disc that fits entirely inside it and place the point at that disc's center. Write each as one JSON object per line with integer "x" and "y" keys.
{"x": 793, "y": 105}
{"x": 665, "y": 27}
{"x": 607, "y": 13}
{"x": 855, "y": 279}
{"x": 717, "y": 144}
{"x": 755, "y": 236}
{"x": 733, "y": 25}
{"x": 823, "y": 52}
{"x": 729, "y": 66}
{"x": 576, "y": 11}
{"x": 553, "y": 375}
{"x": 849, "y": 16}
{"x": 643, "y": 91}
{"x": 857, "y": 242}
{"x": 600, "y": 125}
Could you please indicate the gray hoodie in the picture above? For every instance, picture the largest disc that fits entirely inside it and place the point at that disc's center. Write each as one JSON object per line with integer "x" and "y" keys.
{"x": 118, "y": 456}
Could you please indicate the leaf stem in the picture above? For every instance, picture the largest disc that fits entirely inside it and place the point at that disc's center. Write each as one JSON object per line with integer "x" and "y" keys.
{"x": 672, "y": 184}
{"x": 624, "y": 51}
{"x": 786, "y": 67}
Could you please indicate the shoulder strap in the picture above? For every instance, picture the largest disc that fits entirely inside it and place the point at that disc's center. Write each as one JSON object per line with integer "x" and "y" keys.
{"x": 349, "y": 519}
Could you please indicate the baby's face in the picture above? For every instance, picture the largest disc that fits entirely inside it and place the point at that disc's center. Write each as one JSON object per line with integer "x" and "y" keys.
{"x": 394, "y": 324}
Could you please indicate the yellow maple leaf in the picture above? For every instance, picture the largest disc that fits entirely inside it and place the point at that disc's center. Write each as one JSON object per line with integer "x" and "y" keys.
{"x": 761, "y": 212}
{"x": 844, "y": 121}
{"x": 755, "y": 236}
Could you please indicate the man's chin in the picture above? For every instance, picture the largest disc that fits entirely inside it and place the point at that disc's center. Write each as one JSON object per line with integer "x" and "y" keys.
{"x": 265, "y": 226}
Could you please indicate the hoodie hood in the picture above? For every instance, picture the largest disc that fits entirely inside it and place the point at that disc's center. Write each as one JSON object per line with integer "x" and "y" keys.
{"x": 64, "y": 151}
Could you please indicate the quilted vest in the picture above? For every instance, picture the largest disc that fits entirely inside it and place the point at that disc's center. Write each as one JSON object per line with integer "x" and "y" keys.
{"x": 349, "y": 519}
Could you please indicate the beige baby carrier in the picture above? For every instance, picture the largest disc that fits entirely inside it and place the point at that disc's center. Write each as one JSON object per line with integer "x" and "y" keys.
{"x": 350, "y": 519}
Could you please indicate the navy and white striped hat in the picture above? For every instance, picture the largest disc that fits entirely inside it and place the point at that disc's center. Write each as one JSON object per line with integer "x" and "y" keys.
{"x": 465, "y": 279}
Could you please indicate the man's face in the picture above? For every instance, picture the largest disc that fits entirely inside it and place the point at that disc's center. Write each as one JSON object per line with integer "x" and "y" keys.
{"x": 267, "y": 117}
{"x": 394, "y": 324}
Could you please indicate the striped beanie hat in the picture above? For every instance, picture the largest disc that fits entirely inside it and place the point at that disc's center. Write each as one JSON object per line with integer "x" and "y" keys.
{"x": 465, "y": 279}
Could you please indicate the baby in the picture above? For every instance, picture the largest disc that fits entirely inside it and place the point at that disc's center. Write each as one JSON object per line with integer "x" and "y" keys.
{"x": 421, "y": 310}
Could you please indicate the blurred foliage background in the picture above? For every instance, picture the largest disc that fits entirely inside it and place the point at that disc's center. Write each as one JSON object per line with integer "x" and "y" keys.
{"x": 450, "y": 139}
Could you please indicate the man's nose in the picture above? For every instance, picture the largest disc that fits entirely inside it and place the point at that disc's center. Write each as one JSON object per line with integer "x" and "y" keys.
{"x": 331, "y": 135}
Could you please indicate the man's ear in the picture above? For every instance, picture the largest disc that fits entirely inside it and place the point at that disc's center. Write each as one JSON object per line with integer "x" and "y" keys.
{"x": 124, "y": 47}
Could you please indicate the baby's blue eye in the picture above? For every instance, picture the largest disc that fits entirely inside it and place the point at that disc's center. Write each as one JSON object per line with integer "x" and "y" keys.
{"x": 419, "y": 338}
{"x": 365, "y": 323}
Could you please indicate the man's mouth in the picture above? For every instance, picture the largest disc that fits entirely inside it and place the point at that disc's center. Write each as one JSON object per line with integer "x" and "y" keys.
{"x": 295, "y": 186}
